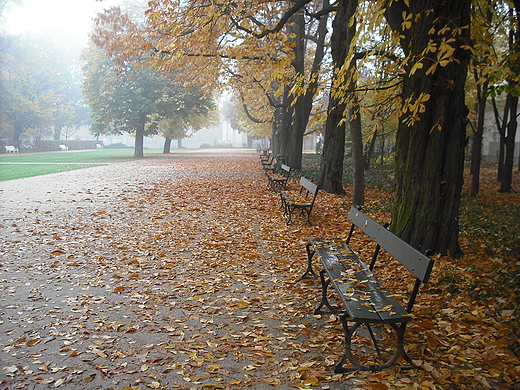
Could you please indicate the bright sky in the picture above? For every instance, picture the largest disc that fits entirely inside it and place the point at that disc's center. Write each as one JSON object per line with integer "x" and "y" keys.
{"x": 69, "y": 19}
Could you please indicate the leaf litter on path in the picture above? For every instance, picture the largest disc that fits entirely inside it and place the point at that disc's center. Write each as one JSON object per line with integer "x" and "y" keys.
{"x": 181, "y": 273}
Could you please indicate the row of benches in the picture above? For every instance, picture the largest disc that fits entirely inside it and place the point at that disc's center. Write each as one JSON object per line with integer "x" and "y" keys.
{"x": 292, "y": 201}
{"x": 361, "y": 300}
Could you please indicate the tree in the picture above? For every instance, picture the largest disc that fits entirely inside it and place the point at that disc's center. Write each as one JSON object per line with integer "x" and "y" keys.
{"x": 242, "y": 45}
{"x": 509, "y": 124}
{"x": 135, "y": 100}
{"x": 482, "y": 17}
{"x": 434, "y": 35}
{"x": 126, "y": 95}
{"x": 32, "y": 96}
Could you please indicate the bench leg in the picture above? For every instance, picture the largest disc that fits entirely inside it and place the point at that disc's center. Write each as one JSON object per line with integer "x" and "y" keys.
{"x": 324, "y": 300}
{"x": 309, "y": 272}
{"x": 284, "y": 203}
{"x": 288, "y": 213}
{"x": 308, "y": 212}
{"x": 339, "y": 368}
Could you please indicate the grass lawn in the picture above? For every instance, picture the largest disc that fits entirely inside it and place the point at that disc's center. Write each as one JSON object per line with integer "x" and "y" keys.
{"x": 14, "y": 166}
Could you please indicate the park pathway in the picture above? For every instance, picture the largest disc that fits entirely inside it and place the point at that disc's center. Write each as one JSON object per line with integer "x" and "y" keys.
{"x": 168, "y": 272}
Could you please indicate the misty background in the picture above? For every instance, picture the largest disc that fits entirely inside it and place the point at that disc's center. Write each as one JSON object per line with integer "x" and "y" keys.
{"x": 51, "y": 35}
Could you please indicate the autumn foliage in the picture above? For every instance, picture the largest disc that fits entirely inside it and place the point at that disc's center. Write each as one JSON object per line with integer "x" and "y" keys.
{"x": 185, "y": 275}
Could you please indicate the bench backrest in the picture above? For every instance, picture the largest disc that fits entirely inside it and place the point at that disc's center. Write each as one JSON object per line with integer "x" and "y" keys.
{"x": 285, "y": 170}
{"x": 417, "y": 263}
{"x": 309, "y": 186}
{"x": 10, "y": 148}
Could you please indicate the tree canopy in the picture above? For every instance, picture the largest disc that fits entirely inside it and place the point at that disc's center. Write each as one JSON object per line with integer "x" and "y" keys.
{"x": 129, "y": 97}
{"x": 34, "y": 95}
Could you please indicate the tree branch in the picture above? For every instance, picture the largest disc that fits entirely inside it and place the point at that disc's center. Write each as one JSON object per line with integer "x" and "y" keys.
{"x": 298, "y": 5}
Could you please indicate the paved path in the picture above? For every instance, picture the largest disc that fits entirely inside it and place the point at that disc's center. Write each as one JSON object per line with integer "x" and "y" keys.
{"x": 167, "y": 272}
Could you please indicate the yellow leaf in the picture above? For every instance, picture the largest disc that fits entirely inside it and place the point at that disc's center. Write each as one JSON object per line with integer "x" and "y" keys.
{"x": 32, "y": 342}
{"x": 415, "y": 67}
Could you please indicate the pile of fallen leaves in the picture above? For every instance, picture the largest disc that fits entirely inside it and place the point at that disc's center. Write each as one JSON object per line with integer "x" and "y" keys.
{"x": 180, "y": 272}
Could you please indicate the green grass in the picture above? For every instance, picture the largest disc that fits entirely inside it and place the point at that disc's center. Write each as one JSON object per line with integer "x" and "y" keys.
{"x": 15, "y": 166}
{"x": 17, "y": 171}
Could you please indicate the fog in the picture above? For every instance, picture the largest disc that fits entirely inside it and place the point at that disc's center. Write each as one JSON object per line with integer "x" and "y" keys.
{"x": 65, "y": 22}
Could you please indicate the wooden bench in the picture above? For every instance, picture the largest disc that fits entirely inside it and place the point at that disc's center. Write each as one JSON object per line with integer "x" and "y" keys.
{"x": 63, "y": 147}
{"x": 266, "y": 160}
{"x": 302, "y": 200}
{"x": 278, "y": 180}
{"x": 365, "y": 300}
{"x": 11, "y": 149}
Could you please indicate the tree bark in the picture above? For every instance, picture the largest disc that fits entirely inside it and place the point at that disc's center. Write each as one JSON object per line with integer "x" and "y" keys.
{"x": 430, "y": 143}
{"x": 139, "y": 141}
{"x": 358, "y": 194}
{"x": 331, "y": 169}
{"x": 506, "y": 177}
{"x": 476, "y": 146}
{"x": 167, "y": 145}
{"x": 297, "y": 116}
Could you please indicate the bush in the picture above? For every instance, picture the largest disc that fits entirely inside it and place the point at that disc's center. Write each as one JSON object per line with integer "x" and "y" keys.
{"x": 205, "y": 146}
{"x": 53, "y": 145}
{"x": 222, "y": 145}
{"x": 118, "y": 145}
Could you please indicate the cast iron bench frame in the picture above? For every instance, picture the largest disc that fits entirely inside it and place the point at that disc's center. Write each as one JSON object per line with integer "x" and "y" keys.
{"x": 364, "y": 299}
{"x": 278, "y": 181}
{"x": 302, "y": 200}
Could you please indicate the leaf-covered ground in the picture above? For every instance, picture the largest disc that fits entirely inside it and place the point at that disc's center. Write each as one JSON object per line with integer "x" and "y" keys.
{"x": 179, "y": 272}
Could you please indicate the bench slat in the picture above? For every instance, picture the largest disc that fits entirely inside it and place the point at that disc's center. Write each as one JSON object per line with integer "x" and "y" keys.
{"x": 416, "y": 262}
{"x": 361, "y": 292}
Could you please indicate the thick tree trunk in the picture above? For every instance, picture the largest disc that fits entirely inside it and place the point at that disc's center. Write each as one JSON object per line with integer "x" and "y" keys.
{"x": 506, "y": 178}
{"x": 167, "y": 145}
{"x": 139, "y": 142}
{"x": 331, "y": 170}
{"x": 297, "y": 114}
{"x": 431, "y": 134}
{"x": 283, "y": 124}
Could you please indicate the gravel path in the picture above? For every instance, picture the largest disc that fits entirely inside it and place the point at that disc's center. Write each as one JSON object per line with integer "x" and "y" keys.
{"x": 166, "y": 272}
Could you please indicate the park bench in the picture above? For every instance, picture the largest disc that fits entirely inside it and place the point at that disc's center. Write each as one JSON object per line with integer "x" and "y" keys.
{"x": 11, "y": 149}
{"x": 266, "y": 160}
{"x": 302, "y": 200}
{"x": 278, "y": 180}
{"x": 63, "y": 147}
{"x": 274, "y": 164}
{"x": 365, "y": 300}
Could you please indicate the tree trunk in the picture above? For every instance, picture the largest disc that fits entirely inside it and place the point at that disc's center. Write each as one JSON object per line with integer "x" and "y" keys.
{"x": 430, "y": 141}
{"x": 370, "y": 151}
{"x": 167, "y": 145}
{"x": 331, "y": 170}
{"x": 57, "y": 132}
{"x": 482, "y": 94}
{"x": 358, "y": 195}
{"x": 282, "y": 126}
{"x": 506, "y": 178}
{"x": 139, "y": 142}
{"x": 297, "y": 116}
{"x": 476, "y": 147}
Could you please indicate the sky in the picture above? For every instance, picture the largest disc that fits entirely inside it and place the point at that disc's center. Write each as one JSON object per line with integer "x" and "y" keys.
{"x": 65, "y": 19}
